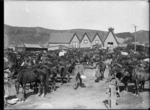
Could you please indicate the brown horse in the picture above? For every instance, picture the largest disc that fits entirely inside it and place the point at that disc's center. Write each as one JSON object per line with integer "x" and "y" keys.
{"x": 39, "y": 76}
{"x": 140, "y": 76}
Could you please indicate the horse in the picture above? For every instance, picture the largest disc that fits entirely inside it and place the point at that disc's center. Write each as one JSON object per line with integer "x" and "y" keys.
{"x": 39, "y": 76}
{"x": 121, "y": 74}
{"x": 139, "y": 76}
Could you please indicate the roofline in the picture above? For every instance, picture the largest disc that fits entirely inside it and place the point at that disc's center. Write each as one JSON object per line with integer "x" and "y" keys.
{"x": 87, "y": 37}
{"x": 73, "y": 37}
{"x": 57, "y": 43}
{"x": 99, "y": 38}
{"x": 113, "y": 35}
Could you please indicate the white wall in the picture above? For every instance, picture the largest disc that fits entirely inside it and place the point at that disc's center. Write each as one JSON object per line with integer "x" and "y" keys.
{"x": 56, "y": 46}
{"x": 67, "y": 45}
{"x": 83, "y": 45}
{"x": 53, "y": 48}
{"x": 75, "y": 39}
{"x": 110, "y": 38}
{"x": 96, "y": 38}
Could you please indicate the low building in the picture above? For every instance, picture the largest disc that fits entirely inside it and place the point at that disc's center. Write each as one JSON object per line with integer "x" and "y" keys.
{"x": 30, "y": 47}
{"x": 57, "y": 47}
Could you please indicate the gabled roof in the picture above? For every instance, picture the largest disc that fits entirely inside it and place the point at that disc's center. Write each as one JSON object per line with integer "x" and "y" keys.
{"x": 73, "y": 37}
{"x": 61, "y": 38}
{"x": 80, "y": 35}
{"x": 98, "y": 36}
{"x": 91, "y": 35}
{"x": 87, "y": 37}
{"x": 112, "y": 34}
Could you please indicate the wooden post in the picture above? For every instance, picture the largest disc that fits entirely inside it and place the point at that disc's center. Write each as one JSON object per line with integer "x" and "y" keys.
{"x": 112, "y": 96}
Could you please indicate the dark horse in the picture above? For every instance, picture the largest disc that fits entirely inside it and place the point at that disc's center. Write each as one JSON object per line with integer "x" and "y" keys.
{"x": 40, "y": 76}
{"x": 139, "y": 76}
{"x": 121, "y": 74}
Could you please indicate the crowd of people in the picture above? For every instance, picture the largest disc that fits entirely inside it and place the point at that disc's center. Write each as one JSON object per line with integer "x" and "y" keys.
{"x": 40, "y": 67}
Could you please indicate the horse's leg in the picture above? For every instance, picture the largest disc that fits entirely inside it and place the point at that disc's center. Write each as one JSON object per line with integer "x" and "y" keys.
{"x": 102, "y": 75}
{"x": 31, "y": 86}
{"x": 62, "y": 80}
{"x": 126, "y": 86}
{"x": 24, "y": 92}
{"x": 137, "y": 87}
{"x": 35, "y": 87}
{"x": 54, "y": 85}
{"x": 142, "y": 85}
{"x": 68, "y": 79}
{"x": 98, "y": 79}
{"x": 39, "y": 90}
{"x": 44, "y": 87}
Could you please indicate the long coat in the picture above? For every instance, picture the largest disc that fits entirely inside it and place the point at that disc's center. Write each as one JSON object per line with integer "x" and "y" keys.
{"x": 79, "y": 69}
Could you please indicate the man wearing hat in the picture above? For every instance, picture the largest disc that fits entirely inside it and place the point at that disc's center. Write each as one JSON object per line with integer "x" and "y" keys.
{"x": 79, "y": 72}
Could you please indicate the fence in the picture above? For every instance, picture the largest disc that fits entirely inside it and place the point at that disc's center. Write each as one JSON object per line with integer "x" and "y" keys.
{"x": 139, "y": 48}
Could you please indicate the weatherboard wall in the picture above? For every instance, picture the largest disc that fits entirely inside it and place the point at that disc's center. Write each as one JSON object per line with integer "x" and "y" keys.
{"x": 75, "y": 42}
{"x": 56, "y": 46}
{"x": 97, "y": 39}
{"x": 110, "y": 38}
{"x": 84, "y": 44}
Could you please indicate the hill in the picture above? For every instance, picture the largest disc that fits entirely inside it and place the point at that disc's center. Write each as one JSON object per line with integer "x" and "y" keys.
{"x": 39, "y": 35}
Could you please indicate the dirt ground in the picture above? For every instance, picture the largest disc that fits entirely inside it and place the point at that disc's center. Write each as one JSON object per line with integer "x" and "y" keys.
{"x": 92, "y": 96}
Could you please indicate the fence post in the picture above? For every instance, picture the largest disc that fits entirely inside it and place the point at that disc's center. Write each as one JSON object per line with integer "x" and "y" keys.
{"x": 113, "y": 96}
{"x": 112, "y": 88}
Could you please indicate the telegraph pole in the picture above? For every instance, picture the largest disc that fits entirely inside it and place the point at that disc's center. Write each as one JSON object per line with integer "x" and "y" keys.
{"x": 135, "y": 38}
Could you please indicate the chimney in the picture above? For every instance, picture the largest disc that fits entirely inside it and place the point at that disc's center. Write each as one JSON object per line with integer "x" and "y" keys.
{"x": 111, "y": 29}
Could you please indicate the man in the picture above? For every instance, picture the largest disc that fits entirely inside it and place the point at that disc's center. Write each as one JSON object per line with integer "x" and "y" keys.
{"x": 78, "y": 72}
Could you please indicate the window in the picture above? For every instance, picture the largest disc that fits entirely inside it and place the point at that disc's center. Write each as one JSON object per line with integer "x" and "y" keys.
{"x": 110, "y": 44}
{"x": 75, "y": 44}
{"x": 96, "y": 41}
{"x": 85, "y": 41}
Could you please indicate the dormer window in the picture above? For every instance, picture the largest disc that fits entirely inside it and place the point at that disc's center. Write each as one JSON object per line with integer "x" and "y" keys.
{"x": 85, "y": 41}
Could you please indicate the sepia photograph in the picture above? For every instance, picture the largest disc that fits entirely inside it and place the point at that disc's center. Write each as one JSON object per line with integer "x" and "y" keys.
{"x": 78, "y": 54}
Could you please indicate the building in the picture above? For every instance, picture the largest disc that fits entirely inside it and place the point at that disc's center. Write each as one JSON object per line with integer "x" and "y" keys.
{"x": 97, "y": 41}
{"x": 29, "y": 47}
{"x": 110, "y": 39}
{"x": 85, "y": 42}
{"x": 81, "y": 39}
{"x": 74, "y": 42}
{"x": 58, "y": 47}
{"x": 68, "y": 40}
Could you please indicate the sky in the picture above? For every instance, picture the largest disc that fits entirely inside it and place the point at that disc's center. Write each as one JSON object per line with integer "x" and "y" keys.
{"x": 64, "y": 15}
